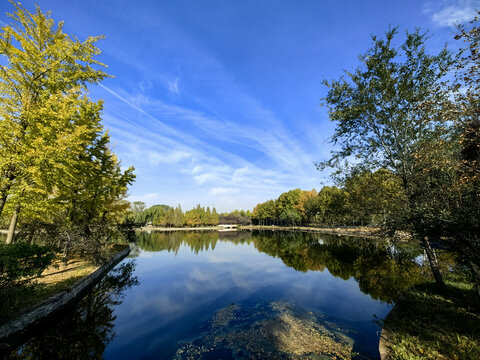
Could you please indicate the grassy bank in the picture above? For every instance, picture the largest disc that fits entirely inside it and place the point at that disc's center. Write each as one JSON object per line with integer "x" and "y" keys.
{"x": 57, "y": 277}
{"x": 426, "y": 324}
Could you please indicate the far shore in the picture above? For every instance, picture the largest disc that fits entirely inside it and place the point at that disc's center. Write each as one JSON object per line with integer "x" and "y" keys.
{"x": 361, "y": 231}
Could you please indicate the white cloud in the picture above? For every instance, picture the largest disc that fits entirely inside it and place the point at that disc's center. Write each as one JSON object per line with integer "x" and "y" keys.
{"x": 205, "y": 177}
{"x": 213, "y": 135}
{"x": 173, "y": 86}
{"x": 167, "y": 158}
{"x": 223, "y": 191}
{"x": 150, "y": 198}
{"x": 450, "y": 13}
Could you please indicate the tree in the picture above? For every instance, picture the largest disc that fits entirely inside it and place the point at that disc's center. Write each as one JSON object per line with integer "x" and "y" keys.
{"x": 56, "y": 165}
{"x": 41, "y": 86}
{"x": 265, "y": 213}
{"x": 373, "y": 197}
{"x": 215, "y": 217}
{"x": 465, "y": 227}
{"x": 138, "y": 206}
{"x": 387, "y": 110}
{"x": 179, "y": 217}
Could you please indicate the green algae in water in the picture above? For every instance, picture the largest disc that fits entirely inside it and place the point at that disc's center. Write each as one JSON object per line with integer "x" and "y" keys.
{"x": 274, "y": 330}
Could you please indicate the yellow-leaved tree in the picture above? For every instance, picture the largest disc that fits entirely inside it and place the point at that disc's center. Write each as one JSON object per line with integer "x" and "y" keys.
{"x": 55, "y": 160}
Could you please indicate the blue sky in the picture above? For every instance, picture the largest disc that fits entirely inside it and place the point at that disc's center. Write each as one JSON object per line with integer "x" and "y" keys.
{"x": 217, "y": 102}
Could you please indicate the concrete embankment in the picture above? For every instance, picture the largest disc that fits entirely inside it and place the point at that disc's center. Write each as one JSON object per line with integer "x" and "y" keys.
{"x": 15, "y": 330}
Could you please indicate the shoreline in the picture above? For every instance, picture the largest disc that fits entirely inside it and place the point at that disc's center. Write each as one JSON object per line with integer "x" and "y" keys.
{"x": 14, "y": 331}
{"x": 367, "y": 232}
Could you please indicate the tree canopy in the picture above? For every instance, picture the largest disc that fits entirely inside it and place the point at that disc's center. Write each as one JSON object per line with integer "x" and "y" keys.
{"x": 56, "y": 164}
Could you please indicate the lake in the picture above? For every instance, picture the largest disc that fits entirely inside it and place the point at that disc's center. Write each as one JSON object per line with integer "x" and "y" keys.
{"x": 236, "y": 295}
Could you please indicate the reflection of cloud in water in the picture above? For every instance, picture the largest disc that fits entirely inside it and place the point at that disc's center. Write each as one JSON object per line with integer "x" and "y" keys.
{"x": 199, "y": 274}
{"x": 185, "y": 282}
{"x": 165, "y": 305}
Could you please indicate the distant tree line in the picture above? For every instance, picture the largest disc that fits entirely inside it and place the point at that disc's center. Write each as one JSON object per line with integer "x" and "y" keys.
{"x": 362, "y": 198}
{"x": 240, "y": 217}
{"x": 166, "y": 216}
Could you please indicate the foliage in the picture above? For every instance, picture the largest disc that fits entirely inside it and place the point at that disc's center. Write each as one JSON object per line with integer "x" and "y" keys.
{"x": 23, "y": 260}
{"x": 18, "y": 263}
{"x": 465, "y": 200}
{"x": 365, "y": 198}
{"x": 392, "y": 112}
{"x": 198, "y": 216}
{"x": 148, "y": 215}
{"x": 290, "y": 208}
{"x": 240, "y": 217}
{"x": 166, "y": 216}
{"x": 373, "y": 198}
{"x": 56, "y": 166}
{"x": 41, "y": 87}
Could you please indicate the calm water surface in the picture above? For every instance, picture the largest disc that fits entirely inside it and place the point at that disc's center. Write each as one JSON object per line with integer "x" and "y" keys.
{"x": 162, "y": 298}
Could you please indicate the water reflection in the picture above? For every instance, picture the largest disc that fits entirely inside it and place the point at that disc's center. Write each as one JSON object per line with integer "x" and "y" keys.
{"x": 196, "y": 241}
{"x": 383, "y": 270}
{"x": 84, "y": 331}
{"x": 187, "y": 278}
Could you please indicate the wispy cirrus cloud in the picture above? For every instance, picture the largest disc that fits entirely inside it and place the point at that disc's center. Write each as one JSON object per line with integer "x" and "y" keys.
{"x": 210, "y": 140}
{"x": 451, "y": 13}
{"x": 171, "y": 157}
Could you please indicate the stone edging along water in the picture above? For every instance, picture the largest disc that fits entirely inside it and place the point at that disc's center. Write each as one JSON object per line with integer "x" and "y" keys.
{"x": 15, "y": 329}
{"x": 384, "y": 342}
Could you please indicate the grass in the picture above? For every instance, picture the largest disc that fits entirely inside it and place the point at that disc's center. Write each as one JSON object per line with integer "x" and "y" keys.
{"x": 54, "y": 279}
{"x": 426, "y": 324}
{"x": 59, "y": 276}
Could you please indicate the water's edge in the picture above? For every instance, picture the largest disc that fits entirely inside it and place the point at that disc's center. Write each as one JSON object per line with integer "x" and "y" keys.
{"x": 14, "y": 331}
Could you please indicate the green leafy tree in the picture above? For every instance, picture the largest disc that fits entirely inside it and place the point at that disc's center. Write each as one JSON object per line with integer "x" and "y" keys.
{"x": 373, "y": 198}
{"x": 465, "y": 202}
{"x": 265, "y": 213}
{"x": 215, "y": 217}
{"x": 57, "y": 170}
{"x": 138, "y": 207}
{"x": 42, "y": 84}
{"x": 386, "y": 111}
{"x": 179, "y": 218}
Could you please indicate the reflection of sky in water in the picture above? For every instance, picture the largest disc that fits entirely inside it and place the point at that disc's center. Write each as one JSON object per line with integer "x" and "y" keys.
{"x": 178, "y": 292}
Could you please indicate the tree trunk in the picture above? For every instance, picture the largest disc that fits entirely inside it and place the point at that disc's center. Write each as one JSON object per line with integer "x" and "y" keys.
{"x": 10, "y": 176}
{"x": 3, "y": 200}
{"x": 432, "y": 259}
{"x": 13, "y": 225}
{"x": 31, "y": 237}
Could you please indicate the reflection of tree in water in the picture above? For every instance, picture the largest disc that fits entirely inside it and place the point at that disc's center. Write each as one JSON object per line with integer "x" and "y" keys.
{"x": 368, "y": 261}
{"x": 382, "y": 269}
{"x": 196, "y": 241}
{"x": 83, "y": 331}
